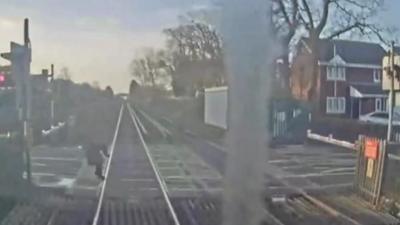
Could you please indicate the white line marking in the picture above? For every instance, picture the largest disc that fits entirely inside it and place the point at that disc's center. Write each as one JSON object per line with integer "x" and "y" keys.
{"x": 292, "y": 167}
{"x": 279, "y": 161}
{"x": 45, "y": 174}
{"x": 56, "y": 159}
{"x": 137, "y": 180}
{"x": 337, "y": 185}
{"x": 133, "y": 114}
{"x": 157, "y": 173}
{"x": 180, "y": 189}
{"x": 63, "y": 182}
{"x": 103, "y": 188}
{"x": 315, "y": 175}
{"x": 339, "y": 170}
{"x": 179, "y": 177}
{"x": 86, "y": 187}
{"x": 147, "y": 189}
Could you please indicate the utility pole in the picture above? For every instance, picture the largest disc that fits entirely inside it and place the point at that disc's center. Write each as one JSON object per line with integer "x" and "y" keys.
{"x": 28, "y": 137}
{"x": 52, "y": 107}
{"x": 20, "y": 58}
{"x": 392, "y": 73}
{"x": 48, "y": 78}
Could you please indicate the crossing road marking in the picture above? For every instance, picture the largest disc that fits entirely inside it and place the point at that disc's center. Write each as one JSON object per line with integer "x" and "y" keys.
{"x": 45, "y": 174}
{"x": 279, "y": 161}
{"x": 315, "y": 175}
{"x": 138, "y": 180}
{"x": 339, "y": 170}
{"x": 56, "y": 158}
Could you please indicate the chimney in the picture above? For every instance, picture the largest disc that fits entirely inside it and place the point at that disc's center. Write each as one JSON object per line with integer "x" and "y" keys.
{"x": 334, "y": 49}
{"x": 45, "y": 72}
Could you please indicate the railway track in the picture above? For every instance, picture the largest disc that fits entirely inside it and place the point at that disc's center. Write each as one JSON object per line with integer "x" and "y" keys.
{"x": 135, "y": 193}
{"x": 151, "y": 203}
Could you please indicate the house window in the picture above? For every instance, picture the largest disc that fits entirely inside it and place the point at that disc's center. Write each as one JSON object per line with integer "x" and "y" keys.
{"x": 335, "y": 105}
{"x": 377, "y": 75}
{"x": 380, "y": 105}
{"x": 336, "y": 73}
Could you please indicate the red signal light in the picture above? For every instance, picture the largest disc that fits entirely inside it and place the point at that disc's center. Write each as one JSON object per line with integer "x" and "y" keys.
{"x": 2, "y": 78}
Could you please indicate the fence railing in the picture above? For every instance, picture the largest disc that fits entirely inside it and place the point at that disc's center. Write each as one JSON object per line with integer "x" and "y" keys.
{"x": 373, "y": 179}
{"x": 391, "y": 177}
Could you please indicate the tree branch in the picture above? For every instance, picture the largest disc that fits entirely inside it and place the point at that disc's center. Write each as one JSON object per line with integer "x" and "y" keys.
{"x": 309, "y": 15}
{"x": 324, "y": 18}
{"x": 305, "y": 24}
{"x": 295, "y": 14}
{"x": 284, "y": 12}
{"x": 344, "y": 30}
{"x": 376, "y": 31}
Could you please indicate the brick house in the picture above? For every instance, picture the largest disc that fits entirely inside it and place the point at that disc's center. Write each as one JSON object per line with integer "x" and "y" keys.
{"x": 349, "y": 77}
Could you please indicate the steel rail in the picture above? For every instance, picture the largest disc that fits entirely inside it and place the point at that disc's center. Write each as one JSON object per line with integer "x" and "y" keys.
{"x": 160, "y": 181}
{"x": 103, "y": 188}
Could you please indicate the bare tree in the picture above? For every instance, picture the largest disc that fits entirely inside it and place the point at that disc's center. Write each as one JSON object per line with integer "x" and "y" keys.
{"x": 333, "y": 18}
{"x": 109, "y": 93}
{"x": 194, "y": 41}
{"x": 323, "y": 19}
{"x": 151, "y": 68}
{"x": 196, "y": 56}
{"x": 286, "y": 21}
{"x": 137, "y": 70}
{"x": 133, "y": 86}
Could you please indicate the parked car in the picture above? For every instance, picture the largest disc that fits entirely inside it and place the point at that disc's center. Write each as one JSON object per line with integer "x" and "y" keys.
{"x": 380, "y": 118}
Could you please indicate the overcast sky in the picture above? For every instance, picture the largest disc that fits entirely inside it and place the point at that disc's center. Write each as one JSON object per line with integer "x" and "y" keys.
{"x": 96, "y": 39}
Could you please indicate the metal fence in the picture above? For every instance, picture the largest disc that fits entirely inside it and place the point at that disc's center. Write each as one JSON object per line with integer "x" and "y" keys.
{"x": 377, "y": 174}
{"x": 391, "y": 177}
{"x": 370, "y": 168}
{"x": 289, "y": 121}
{"x": 377, "y": 177}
